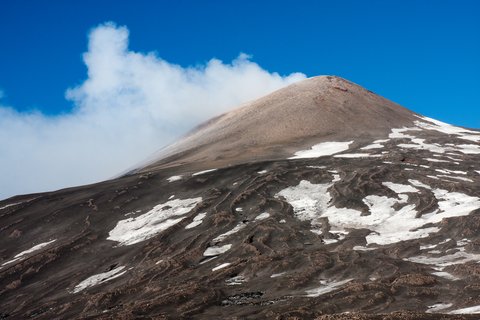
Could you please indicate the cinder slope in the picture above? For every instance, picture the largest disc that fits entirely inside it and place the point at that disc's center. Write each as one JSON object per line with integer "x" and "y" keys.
{"x": 318, "y": 109}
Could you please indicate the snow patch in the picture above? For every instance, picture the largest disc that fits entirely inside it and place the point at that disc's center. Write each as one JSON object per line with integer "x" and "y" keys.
{"x": 454, "y": 159}
{"x": 441, "y": 262}
{"x": 419, "y": 184}
{"x": 446, "y": 171}
{"x": 392, "y": 226}
{"x": 26, "y": 252}
{"x": 373, "y": 146}
{"x": 209, "y": 259}
{"x": 196, "y": 221}
{"x": 400, "y": 188}
{"x": 235, "y": 281}
{"x": 436, "y": 160}
{"x": 10, "y": 205}
{"x": 262, "y": 216}
{"x": 225, "y": 235}
{"x": 448, "y": 129}
{"x": 456, "y": 178}
{"x": 148, "y": 225}
{"x": 99, "y": 278}
{"x": 438, "y": 307}
{"x": 203, "y": 172}
{"x": 362, "y": 248}
{"x": 276, "y": 275}
{"x": 398, "y": 133}
{"x": 326, "y": 287}
{"x": 469, "y": 310}
{"x": 322, "y": 149}
{"x": 215, "y": 250}
{"x": 306, "y": 198}
{"x": 357, "y": 155}
{"x": 445, "y": 241}
{"x": 445, "y": 275}
{"x": 174, "y": 178}
{"x": 427, "y": 247}
{"x": 311, "y": 202}
{"x": 322, "y": 167}
{"x": 328, "y": 241}
{"x": 419, "y": 144}
{"x": 469, "y": 148}
{"x": 455, "y": 204}
{"x": 221, "y": 266}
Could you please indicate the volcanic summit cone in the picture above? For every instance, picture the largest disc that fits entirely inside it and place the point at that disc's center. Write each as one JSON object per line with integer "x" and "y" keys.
{"x": 319, "y": 201}
{"x": 318, "y": 109}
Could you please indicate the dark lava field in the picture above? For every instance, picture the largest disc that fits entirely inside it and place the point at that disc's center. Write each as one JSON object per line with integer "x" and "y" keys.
{"x": 374, "y": 219}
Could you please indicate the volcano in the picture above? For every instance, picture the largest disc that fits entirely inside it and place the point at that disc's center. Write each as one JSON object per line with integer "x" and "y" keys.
{"x": 317, "y": 109}
{"x": 321, "y": 200}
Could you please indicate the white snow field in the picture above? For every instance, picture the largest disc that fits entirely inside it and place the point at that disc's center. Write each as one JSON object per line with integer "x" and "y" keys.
{"x": 322, "y": 149}
{"x": 420, "y": 144}
{"x": 448, "y": 129}
{"x": 196, "y": 221}
{"x": 174, "y": 178}
{"x": 262, "y": 216}
{"x": 10, "y": 205}
{"x": 469, "y": 310}
{"x": 99, "y": 278}
{"x": 357, "y": 155}
{"x": 146, "y": 226}
{"x": 215, "y": 250}
{"x": 311, "y": 202}
{"x": 203, "y": 172}
{"x": 221, "y": 266}
{"x": 436, "y": 308}
{"x": 22, "y": 254}
{"x": 375, "y": 145}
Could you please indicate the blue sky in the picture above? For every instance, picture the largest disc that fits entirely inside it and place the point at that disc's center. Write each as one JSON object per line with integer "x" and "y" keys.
{"x": 89, "y": 88}
{"x": 422, "y": 54}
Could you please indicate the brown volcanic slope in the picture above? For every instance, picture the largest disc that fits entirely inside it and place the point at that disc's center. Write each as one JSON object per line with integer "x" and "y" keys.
{"x": 386, "y": 227}
{"x": 318, "y": 109}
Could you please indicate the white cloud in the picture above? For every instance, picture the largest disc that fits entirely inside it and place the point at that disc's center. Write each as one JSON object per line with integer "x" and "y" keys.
{"x": 130, "y": 105}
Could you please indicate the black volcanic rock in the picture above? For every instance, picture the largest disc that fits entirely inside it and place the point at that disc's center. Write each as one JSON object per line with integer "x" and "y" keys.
{"x": 379, "y": 220}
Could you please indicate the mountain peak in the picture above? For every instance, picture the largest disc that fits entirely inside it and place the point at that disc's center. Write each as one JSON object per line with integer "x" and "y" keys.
{"x": 318, "y": 109}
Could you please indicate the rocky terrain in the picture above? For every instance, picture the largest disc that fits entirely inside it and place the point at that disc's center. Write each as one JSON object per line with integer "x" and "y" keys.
{"x": 319, "y": 201}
